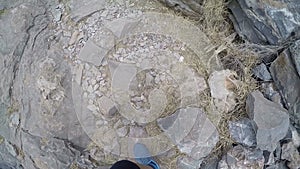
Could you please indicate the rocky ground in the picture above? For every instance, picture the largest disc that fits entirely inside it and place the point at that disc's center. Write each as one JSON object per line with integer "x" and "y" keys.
{"x": 201, "y": 84}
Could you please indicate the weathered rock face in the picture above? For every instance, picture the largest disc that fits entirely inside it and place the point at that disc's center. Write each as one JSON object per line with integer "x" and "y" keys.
{"x": 271, "y": 119}
{"x": 266, "y": 22}
{"x": 38, "y": 131}
{"x": 287, "y": 80}
{"x": 240, "y": 157}
{"x": 243, "y": 132}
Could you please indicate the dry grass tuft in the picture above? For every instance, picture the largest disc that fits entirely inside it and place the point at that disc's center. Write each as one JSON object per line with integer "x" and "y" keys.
{"x": 234, "y": 56}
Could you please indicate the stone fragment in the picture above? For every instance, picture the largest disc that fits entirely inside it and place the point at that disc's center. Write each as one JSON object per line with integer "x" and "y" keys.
{"x": 262, "y": 72}
{"x": 210, "y": 164}
{"x": 287, "y": 81}
{"x": 137, "y": 132}
{"x": 106, "y": 41}
{"x": 191, "y": 131}
{"x": 241, "y": 157}
{"x": 92, "y": 53}
{"x": 57, "y": 13}
{"x": 74, "y": 37}
{"x": 191, "y": 8}
{"x": 243, "y": 132}
{"x": 83, "y": 8}
{"x": 122, "y": 26}
{"x": 291, "y": 154}
{"x": 122, "y": 131}
{"x": 221, "y": 85}
{"x": 107, "y": 106}
{"x": 271, "y": 119}
{"x": 188, "y": 163}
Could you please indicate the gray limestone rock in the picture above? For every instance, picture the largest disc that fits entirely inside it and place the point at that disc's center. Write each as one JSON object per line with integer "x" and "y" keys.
{"x": 84, "y": 8}
{"x": 243, "y": 132}
{"x": 241, "y": 157}
{"x": 262, "y": 72}
{"x": 280, "y": 165}
{"x": 210, "y": 164}
{"x": 287, "y": 81}
{"x": 191, "y": 131}
{"x": 188, "y": 7}
{"x": 272, "y": 121}
{"x": 295, "y": 54}
{"x": 188, "y": 163}
{"x": 122, "y": 26}
{"x": 92, "y": 53}
{"x": 266, "y": 22}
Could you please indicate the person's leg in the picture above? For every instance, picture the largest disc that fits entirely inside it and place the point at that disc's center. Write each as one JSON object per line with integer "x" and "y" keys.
{"x": 125, "y": 164}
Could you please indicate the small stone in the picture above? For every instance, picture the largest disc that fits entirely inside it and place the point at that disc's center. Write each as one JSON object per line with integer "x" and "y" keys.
{"x": 107, "y": 106}
{"x": 221, "y": 84}
{"x": 93, "y": 82}
{"x": 137, "y": 132}
{"x": 98, "y": 93}
{"x": 90, "y": 89}
{"x": 122, "y": 132}
{"x": 57, "y": 14}
{"x": 271, "y": 119}
{"x": 242, "y": 131}
{"x": 74, "y": 37}
{"x": 262, "y": 72}
{"x": 96, "y": 87}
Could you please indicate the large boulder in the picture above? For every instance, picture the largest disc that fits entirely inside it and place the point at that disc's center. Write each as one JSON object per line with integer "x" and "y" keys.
{"x": 271, "y": 119}
{"x": 266, "y": 22}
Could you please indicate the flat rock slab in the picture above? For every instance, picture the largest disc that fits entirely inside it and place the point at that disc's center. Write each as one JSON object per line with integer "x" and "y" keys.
{"x": 122, "y": 26}
{"x": 83, "y": 8}
{"x": 191, "y": 131}
{"x": 271, "y": 119}
{"x": 92, "y": 53}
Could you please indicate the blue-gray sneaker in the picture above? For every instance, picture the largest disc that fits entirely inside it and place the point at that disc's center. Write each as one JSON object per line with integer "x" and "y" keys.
{"x": 143, "y": 156}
